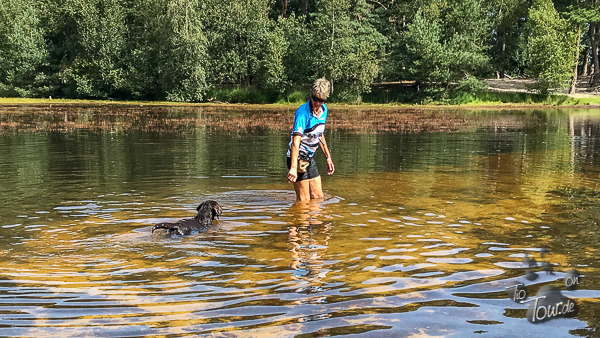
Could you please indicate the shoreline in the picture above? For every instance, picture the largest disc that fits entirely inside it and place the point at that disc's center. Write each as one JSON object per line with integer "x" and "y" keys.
{"x": 580, "y": 101}
{"x": 65, "y": 116}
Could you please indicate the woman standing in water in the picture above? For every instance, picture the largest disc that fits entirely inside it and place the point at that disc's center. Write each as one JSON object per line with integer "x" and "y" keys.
{"x": 307, "y": 136}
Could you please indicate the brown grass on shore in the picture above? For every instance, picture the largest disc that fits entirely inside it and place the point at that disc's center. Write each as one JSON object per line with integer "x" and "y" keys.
{"x": 241, "y": 119}
{"x": 65, "y": 118}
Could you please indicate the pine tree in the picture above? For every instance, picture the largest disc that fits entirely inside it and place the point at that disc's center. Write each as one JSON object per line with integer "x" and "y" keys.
{"x": 444, "y": 44}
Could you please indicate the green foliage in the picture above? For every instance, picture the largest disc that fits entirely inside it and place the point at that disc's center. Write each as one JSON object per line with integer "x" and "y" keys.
{"x": 425, "y": 51}
{"x": 180, "y": 50}
{"x": 582, "y": 13}
{"x": 167, "y": 56}
{"x": 444, "y": 42}
{"x": 500, "y": 97}
{"x": 470, "y": 85}
{"x": 298, "y": 96}
{"x": 507, "y": 41}
{"x": 94, "y": 44}
{"x": 297, "y": 60}
{"x": 551, "y": 47}
{"x": 274, "y": 75}
{"x": 237, "y": 32}
{"x": 239, "y": 95}
{"x": 183, "y": 77}
{"x": 23, "y": 53}
{"x": 346, "y": 46}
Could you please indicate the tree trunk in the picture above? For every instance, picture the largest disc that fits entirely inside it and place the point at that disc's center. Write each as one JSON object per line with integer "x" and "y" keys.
{"x": 304, "y": 7}
{"x": 596, "y": 74}
{"x": 574, "y": 80}
{"x": 283, "y": 8}
{"x": 503, "y": 55}
{"x": 586, "y": 54}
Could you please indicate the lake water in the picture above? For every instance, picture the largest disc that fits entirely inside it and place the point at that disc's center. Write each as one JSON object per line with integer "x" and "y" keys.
{"x": 429, "y": 217}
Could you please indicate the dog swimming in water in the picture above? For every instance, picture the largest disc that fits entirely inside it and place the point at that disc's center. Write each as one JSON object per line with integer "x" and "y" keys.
{"x": 203, "y": 221}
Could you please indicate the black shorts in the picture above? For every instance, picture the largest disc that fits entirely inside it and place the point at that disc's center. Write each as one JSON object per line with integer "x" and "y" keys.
{"x": 311, "y": 172}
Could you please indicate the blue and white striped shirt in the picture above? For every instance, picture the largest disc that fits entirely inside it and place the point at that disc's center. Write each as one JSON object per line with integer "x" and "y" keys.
{"x": 310, "y": 127}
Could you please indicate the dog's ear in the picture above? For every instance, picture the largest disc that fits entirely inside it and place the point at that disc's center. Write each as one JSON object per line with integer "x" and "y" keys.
{"x": 204, "y": 213}
{"x": 216, "y": 209}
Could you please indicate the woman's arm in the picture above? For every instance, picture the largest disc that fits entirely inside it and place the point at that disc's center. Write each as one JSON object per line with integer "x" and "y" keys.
{"x": 293, "y": 173}
{"x": 330, "y": 166}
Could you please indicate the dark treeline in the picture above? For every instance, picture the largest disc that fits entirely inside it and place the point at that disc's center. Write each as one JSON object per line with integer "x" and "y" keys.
{"x": 181, "y": 50}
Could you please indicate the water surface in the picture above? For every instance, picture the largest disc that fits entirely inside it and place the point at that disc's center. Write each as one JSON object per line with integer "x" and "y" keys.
{"x": 426, "y": 220}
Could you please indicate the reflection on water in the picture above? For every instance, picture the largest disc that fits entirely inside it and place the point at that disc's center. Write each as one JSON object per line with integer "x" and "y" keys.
{"x": 307, "y": 242}
{"x": 419, "y": 234}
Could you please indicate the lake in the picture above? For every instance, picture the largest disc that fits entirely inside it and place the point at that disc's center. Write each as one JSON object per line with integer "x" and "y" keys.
{"x": 430, "y": 218}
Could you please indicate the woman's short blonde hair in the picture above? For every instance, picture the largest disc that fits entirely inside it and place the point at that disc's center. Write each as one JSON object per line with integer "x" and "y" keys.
{"x": 320, "y": 89}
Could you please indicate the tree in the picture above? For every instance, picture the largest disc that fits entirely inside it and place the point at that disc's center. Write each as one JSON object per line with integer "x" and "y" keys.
{"x": 176, "y": 50}
{"x": 551, "y": 47}
{"x": 237, "y": 32}
{"x": 87, "y": 41}
{"x": 183, "y": 77}
{"x": 23, "y": 53}
{"x": 285, "y": 63}
{"x": 297, "y": 61}
{"x": 167, "y": 56}
{"x": 346, "y": 46}
{"x": 507, "y": 43}
{"x": 579, "y": 15}
{"x": 444, "y": 43}
{"x": 274, "y": 75}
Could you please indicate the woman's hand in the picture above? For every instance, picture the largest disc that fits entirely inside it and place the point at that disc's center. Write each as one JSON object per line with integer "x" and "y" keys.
{"x": 330, "y": 166}
{"x": 292, "y": 175}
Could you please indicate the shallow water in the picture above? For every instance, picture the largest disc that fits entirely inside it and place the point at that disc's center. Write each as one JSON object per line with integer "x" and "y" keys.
{"x": 427, "y": 219}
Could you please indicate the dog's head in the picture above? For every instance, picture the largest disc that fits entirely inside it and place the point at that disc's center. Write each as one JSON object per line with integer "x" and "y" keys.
{"x": 208, "y": 211}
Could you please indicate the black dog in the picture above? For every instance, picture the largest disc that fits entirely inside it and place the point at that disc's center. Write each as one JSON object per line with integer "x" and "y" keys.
{"x": 207, "y": 212}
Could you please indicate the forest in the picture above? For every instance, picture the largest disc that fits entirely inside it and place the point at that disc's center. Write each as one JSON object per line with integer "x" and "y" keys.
{"x": 190, "y": 50}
